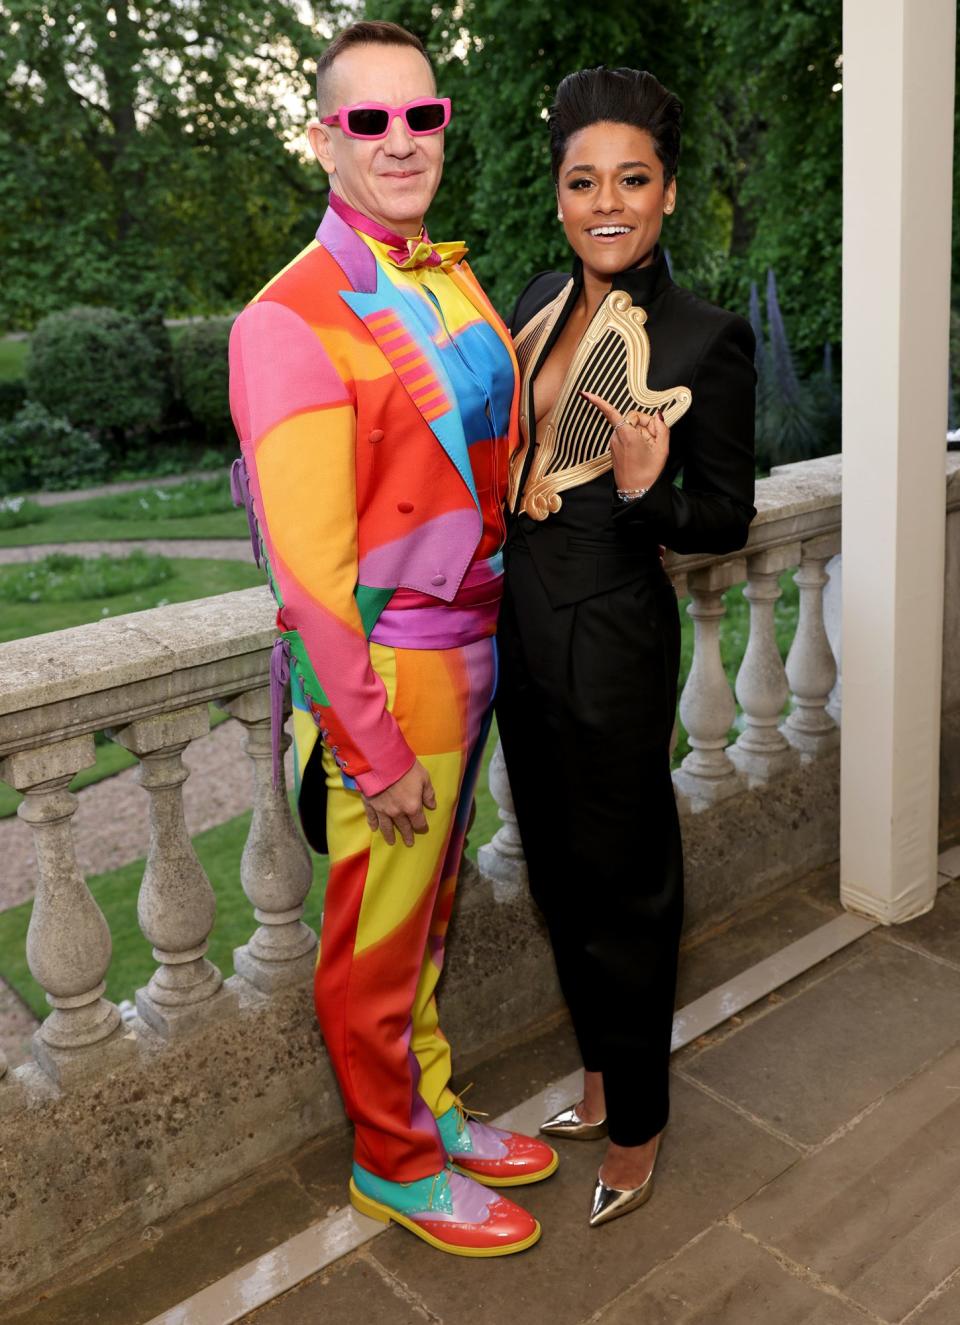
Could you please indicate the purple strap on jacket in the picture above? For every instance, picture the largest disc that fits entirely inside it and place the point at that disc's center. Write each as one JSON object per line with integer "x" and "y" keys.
{"x": 240, "y": 495}
{"x": 279, "y": 676}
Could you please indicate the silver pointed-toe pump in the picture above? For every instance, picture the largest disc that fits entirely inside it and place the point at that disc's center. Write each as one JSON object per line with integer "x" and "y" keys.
{"x": 612, "y": 1202}
{"x": 569, "y": 1125}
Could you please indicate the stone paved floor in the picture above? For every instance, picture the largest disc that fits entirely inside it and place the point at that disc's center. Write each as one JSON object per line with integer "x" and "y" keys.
{"x": 810, "y": 1173}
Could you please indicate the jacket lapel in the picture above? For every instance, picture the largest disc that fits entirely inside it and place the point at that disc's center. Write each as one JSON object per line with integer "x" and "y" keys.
{"x": 416, "y": 363}
{"x": 464, "y": 278}
{"x": 381, "y": 307}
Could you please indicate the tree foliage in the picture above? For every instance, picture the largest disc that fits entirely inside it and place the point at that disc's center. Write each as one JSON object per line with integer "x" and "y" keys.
{"x": 143, "y": 151}
{"x": 760, "y": 167}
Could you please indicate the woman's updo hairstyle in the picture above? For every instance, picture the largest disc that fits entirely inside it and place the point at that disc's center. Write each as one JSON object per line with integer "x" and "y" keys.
{"x": 618, "y": 96}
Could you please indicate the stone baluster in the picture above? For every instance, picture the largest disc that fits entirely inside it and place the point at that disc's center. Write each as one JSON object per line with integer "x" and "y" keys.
{"x": 811, "y": 667}
{"x": 832, "y": 612}
{"x": 679, "y": 581}
{"x": 68, "y": 940}
{"x": 11, "y": 1091}
{"x": 707, "y": 708}
{"x": 501, "y": 859}
{"x": 276, "y": 870}
{"x": 176, "y": 906}
{"x": 762, "y": 751}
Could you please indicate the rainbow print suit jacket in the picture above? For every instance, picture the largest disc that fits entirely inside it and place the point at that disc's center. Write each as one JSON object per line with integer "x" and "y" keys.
{"x": 357, "y": 477}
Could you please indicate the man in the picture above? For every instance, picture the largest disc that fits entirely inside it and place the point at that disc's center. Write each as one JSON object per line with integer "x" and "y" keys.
{"x": 374, "y": 391}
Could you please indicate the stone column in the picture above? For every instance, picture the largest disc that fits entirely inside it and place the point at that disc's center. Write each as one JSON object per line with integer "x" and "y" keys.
{"x": 276, "y": 869}
{"x": 707, "y": 708}
{"x": 68, "y": 941}
{"x": 176, "y": 906}
{"x": 501, "y": 859}
{"x": 762, "y": 751}
{"x": 811, "y": 667}
{"x": 898, "y": 72}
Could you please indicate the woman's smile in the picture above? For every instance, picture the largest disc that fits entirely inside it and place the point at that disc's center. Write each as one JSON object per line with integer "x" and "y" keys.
{"x": 612, "y": 197}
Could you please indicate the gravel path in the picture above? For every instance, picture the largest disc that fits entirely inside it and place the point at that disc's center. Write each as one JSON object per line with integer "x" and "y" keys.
{"x": 111, "y": 827}
{"x": 221, "y": 549}
{"x": 131, "y": 485}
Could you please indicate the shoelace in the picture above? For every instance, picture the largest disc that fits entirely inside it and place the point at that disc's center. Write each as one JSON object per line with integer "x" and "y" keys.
{"x": 463, "y": 1113}
{"x": 445, "y": 1176}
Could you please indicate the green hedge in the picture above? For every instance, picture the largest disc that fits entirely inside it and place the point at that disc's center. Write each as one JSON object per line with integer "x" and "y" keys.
{"x": 100, "y": 369}
{"x": 200, "y": 374}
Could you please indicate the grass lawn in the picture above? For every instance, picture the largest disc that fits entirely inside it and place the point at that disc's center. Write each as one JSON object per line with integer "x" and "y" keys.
{"x": 13, "y": 354}
{"x": 192, "y": 578}
{"x": 219, "y": 850}
{"x": 121, "y": 516}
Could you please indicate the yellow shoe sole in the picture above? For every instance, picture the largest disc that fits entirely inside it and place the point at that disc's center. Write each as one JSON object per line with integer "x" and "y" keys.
{"x": 384, "y": 1214}
{"x": 521, "y": 1181}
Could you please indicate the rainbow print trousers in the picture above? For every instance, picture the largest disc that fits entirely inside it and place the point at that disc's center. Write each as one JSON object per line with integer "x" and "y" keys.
{"x": 387, "y": 909}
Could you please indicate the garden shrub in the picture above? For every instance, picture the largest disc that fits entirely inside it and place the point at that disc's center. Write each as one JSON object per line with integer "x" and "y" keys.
{"x": 13, "y": 396}
{"x": 98, "y": 368}
{"x": 40, "y": 450}
{"x": 15, "y": 512}
{"x": 201, "y": 374}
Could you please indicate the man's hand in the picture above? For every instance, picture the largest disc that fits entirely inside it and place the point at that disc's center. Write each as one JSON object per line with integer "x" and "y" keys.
{"x": 400, "y": 806}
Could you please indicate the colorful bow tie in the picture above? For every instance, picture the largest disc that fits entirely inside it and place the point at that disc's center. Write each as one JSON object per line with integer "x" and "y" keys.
{"x": 407, "y": 254}
{"x": 423, "y": 252}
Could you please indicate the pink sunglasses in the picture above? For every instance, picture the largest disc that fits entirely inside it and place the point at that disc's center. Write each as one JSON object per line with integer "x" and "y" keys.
{"x": 372, "y": 119}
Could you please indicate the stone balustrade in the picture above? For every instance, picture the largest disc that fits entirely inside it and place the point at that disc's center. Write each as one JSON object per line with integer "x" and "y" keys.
{"x": 797, "y": 528}
{"x": 214, "y": 1076}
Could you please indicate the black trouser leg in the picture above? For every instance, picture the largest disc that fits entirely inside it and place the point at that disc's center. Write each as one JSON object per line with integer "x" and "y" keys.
{"x": 585, "y": 709}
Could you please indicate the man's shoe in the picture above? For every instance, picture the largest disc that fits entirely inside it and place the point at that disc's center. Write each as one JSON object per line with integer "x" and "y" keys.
{"x": 493, "y": 1156}
{"x": 448, "y": 1211}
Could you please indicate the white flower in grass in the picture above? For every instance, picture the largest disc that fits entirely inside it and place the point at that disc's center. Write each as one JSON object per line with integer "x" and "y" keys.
{"x": 144, "y": 504}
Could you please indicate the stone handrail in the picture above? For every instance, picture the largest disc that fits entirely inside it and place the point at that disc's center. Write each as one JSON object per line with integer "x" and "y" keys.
{"x": 798, "y": 525}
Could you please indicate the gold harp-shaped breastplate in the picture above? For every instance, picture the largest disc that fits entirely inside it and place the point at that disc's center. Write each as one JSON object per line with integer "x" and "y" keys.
{"x": 573, "y": 441}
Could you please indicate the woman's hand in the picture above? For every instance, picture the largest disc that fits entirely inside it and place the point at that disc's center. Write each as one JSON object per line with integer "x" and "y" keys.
{"x": 640, "y": 444}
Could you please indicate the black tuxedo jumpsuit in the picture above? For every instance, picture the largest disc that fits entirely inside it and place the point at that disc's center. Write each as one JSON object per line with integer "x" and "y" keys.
{"x": 589, "y": 641}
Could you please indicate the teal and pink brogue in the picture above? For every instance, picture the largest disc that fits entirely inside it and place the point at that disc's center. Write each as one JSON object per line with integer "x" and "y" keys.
{"x": 492, "y": 1155}
{"x": 448, "y": 1210}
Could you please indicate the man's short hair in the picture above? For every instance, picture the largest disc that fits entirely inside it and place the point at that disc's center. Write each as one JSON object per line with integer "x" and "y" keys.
{"x": 359, "y": 34}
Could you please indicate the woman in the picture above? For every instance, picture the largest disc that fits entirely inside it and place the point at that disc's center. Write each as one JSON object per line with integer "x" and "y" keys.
{"x": 629, "y": 381}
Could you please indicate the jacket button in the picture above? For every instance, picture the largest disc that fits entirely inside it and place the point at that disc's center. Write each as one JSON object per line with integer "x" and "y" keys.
{"x": 376, "y": 435}
{"x": 439, "y": 579}
{"x": 404, "y": 507}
